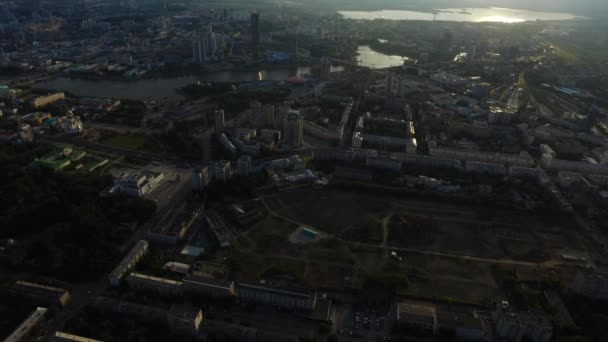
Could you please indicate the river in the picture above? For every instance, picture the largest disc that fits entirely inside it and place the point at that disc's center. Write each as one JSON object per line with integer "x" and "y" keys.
{"x": 490, "y": 14}
{"x": 166, "y": 88}
{"x": 161, "y": 88}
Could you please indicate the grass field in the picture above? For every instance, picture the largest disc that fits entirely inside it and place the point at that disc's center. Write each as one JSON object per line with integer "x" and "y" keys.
{"x": 130, "y": 141}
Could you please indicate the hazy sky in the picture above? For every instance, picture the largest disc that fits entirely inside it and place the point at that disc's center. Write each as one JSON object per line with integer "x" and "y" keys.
{"x": 596, "y": 7}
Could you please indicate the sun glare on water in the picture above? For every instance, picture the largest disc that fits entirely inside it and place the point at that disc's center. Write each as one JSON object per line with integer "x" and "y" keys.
{"x": 500, "y": 19}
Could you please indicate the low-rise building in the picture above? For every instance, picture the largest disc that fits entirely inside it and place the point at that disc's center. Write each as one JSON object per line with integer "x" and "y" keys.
{"x": 41, "y": 293}
{"x": 42, "y": 101}
{"x": 418, "y": 315}
{"x": 523, "y": 159}
{"x": 552, "y": 164}
{"x": 209, "y": 286}
{"x": 289, "y": 298}
{"x": 29, "y": 326}
{"x": 163, "y": 286}
{"x": 128, "y": 262}
{"x": 138, "y": 184}
{"x": 184, "y": 319}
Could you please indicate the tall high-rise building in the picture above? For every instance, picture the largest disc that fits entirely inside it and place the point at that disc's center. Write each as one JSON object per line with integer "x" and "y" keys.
{"x": 210, "y": 41}
{"x": 294, "y": 129}
{"x": 244, "y": 165}
{"x": 200, "y": 178}
{"x": 199, "y": 49}
{"x": 220, "y": 122}
{"x": 255, "y": 34}
{"x": 268, "y": 115}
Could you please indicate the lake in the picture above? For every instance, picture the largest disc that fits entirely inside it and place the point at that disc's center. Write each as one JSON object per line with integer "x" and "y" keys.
{"x": 490, "y": 14}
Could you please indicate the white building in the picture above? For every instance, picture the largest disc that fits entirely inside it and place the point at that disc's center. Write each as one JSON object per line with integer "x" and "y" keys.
{"x": 139, "y": 184}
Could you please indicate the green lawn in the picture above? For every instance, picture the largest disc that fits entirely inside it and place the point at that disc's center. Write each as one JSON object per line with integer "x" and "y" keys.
{"x": 130, "y": 141}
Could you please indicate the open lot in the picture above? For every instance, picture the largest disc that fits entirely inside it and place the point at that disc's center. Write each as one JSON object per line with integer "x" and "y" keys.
{"x": 429, "y": 225}
{"x": 448, "y": 251}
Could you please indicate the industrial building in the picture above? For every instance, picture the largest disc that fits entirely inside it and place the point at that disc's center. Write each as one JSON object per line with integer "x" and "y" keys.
{"x": 289, "y": 298}
{"x": 128, "y": 262}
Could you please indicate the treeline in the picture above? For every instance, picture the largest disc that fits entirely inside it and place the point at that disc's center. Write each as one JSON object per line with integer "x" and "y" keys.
{"x": 62, "y": 226}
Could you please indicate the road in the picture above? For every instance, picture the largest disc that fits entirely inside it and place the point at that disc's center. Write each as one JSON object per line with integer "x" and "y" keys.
{"x": 546, "y": 264}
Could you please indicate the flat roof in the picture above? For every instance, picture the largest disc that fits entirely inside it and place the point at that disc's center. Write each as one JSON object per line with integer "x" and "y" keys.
{"x": 417, "y": 309}
{"x": 69, "y": 337}
{"x": 184, "y": 310}
{"x": 39, "y": 287}
{"x": 286, "y": 291}
{"x": 459, "y": 319}
{"x": 209, "y": 281}
{"x": 156, "y": 279}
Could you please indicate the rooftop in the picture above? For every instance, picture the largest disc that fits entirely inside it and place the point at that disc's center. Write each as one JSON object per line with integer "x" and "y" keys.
{"x": 184, "y": 311}
{"x": 417, "y": 310}
{"x": 156, "y": 279}
{"x": 69, "y": 337}
{"x": 209, "y": 281}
